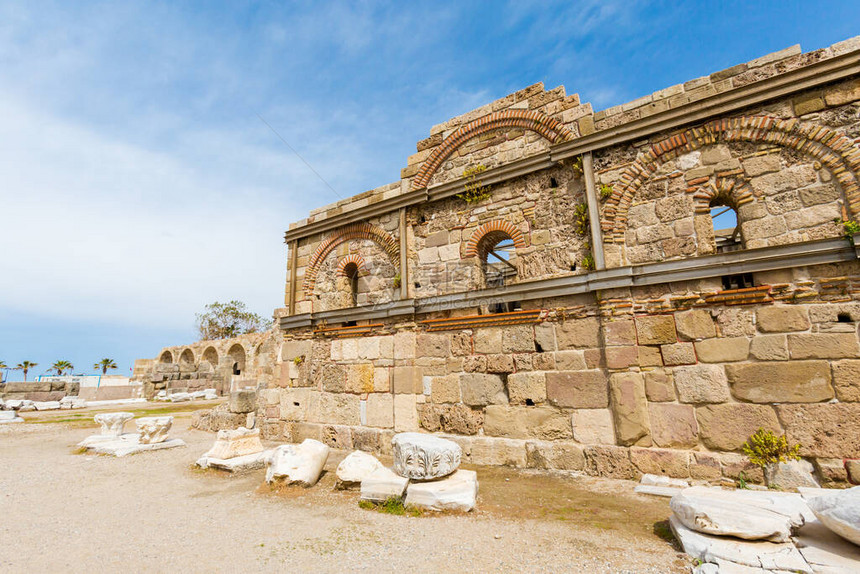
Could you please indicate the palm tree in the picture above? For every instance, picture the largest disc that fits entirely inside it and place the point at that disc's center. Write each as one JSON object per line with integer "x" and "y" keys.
{"x": 61, "y": 366}
{"x": 25, "y": 366}
{"x": 104, "y": 365}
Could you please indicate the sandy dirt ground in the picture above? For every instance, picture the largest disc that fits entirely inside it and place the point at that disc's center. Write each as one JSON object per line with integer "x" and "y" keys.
{"x": 61, "y": 511}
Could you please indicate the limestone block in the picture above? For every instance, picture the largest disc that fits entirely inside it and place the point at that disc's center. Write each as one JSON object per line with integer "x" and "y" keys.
{"x": 299, "y": 464}
{"x": 701, "y": 384}
{"x": 405, "y": 413}
{"x": 243, "y": 401}
{"x": 488, "y": 340}
{"x": 450, "y": 418}
{"x": 656, "y": 329}
{"x": 831, "y": 470}
{"x": 694, "y": 325}
{"x": 840, "y": 512}
{"x": 577, "y": 389}
{"x": 380, "y": 410}
{"x": 728, "y": 426}
{"x": 518, "y": 339}
{"x": 339, "y": 408}
{"x": 383, "y": 484}
{"x": 662, "y": 480}
{"x": 673, "y": 425}
{"x": 545, "y": 337}
{"x": 381, "y": 380}
{"x": 610, "y": 461}
{"x": 432, "y": 345}
{"x": 408, "y": 380}
{"x": 368, "y": 348}
{"x": 578, "y": 333}
{"x": 233, "y": 443}
{"x": 556, "y": 455}
{"x": 704, "y": 466}
{"x": 659, "y": 387}
{"x": 295, "y": 348}
{"x": 650, "y": 356}
{"x": 678, "y": 354}
{"x": 355, "y": 468}
{"x": 823, "y": 346}
{"x": 783, "y": 382}
{"x": 723, "y": 350}
{"x": 404, "y": 345}
{"x": 629, "y": 406}
{"x": 730, "y": 552}
{"x": 153, "y": 429}
{"x": 782, "y": 318}
{"x": 674, "y": 463}
{"x": 569, "y": 361}
{"x": 823, "y": 430}
{"x": 853, "y": 469}
{"x": 499, "y": 452}
{"x": 735, "y": 322}
{"x": 769, "y": 348}
{"x": 299, "y": 404}
{"x": 525, "y": 388}
{"x": 544, "y": 423}
{"x": 480, "y": 389}
{"x": 621, "y": 357}
{"x": 790, "y": 475}
{"x": 333, "y": 378}
{"x": 696, "y": 510}
{"x": 359, "y": 378}
{"x": 500, "y": 364}
{"x": 621, "y": 333}
{"x": 420, "y": 456}
{"x": 593, "y": 426}
{"x": 457, "y": 492}
{"x": 846, "y": 380}
{"x": 112, "y": 423}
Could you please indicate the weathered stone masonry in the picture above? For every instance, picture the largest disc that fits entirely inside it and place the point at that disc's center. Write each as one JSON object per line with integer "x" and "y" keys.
{"x": 635, "y": 340}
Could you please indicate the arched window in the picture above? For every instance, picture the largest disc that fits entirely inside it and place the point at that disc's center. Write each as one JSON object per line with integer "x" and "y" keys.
{"x": 350, "y": 271}
{"x": 237, "y": 359}
{"x": 211, "y": 357}
{"x": 496, "y": 250}
{"x": 186, "y": 359}
{"x": 727, "y": 229}
{"x": 166, "y": 358}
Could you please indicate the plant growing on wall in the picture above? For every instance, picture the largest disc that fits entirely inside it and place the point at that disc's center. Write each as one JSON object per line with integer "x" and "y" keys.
{"x": 849, "y": 228}
{"x": 474, "y": 190}
{"x": 588, "y": 261}
{"x": 576, "y": 167}
{"x": 605, "y": 191}
{"x": 580, "y": 219}
{"x": 764, "y": 448}
{"x": 397, "y": 281}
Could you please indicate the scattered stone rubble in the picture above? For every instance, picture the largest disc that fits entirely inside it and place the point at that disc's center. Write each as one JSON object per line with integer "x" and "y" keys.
{"x": 236, "y": 451}
{"x": 354, "y": 469}
{"x": 299, "y": 464}
{"x": 111, "y": 440}
{"x": 754, "y": 531}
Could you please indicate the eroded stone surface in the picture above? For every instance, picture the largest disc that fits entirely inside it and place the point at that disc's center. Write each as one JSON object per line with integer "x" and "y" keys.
{"x": 354, "y": 468}
{"x": 298, "y": 464}
{"x": 112, "y": 423}
{"x": 233, "y": 443}
{"x": 718, "y": 516}
{"x": 424, "y": 457}
{"x": 456, "y": 492}
{"x": 383, "y": 484}
{"x": 153, "y": 429}
{"x": 790, "y": 475}
{"x": 840, "y": 512}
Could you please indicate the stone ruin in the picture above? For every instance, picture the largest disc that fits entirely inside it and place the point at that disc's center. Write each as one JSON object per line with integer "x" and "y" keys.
{"x": 151, "y": 435}
{"x": 549, "y": 286}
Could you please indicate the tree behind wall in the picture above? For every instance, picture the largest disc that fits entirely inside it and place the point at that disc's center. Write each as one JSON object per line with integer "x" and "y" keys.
{"x": 226, "y": 320}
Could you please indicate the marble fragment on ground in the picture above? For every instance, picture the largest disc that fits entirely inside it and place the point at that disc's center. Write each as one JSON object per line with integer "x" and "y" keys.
{"x": 703, "y": 512}
{"x": 664, "y": 491}
{"x": 233, "y": 443}
{"x": 790, "y": 475}
{"x": 826, "y": 551}
{"x": 72, "y": 403}
{"x": 46, "y": 405}
{"x": 419, "y": 456}
{"x": 779, "y": 556}
{"x": 19, "y": 405}
{"x": 458, "y": 492}
{"x": 299, "y": 464}
{"x": 112, "y": 423}
{"x": 237, "y": 464}
{"x": 125, "y": 445}
{"x": 839, "y": 511}
{"x": 153, "y": 429}
{"x": 382, "y": 484}
{"x": 10, "y": 417}
{"x": 354, "y": 468}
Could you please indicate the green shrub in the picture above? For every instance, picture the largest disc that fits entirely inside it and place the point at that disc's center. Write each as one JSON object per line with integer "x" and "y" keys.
{"x": 580, "y": 219}
{"x": 605, "y": 191}
{"x": 765, "y": 448}
{"x": 474, "y": 191}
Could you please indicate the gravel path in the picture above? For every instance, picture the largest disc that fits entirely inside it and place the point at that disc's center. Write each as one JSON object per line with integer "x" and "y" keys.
{"x": 67, "y": 512}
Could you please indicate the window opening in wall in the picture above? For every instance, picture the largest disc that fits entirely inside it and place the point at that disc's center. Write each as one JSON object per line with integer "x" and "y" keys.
{"x": 553, "y": 183}
{"x": 350, "y": 324}
{"x": 496, "y": 261}
{"x": 727, "y": 232}
{"x": 843, "y": 318}
{"x": 236, "y": 369}
{"x": 505, "y": 307}
{"x": 742, "y": 281}
{"x": 351, "y": 273}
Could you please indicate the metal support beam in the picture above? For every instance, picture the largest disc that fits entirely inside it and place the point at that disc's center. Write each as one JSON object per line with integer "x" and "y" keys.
{"x": 404, "y": 264}
{"x": 294, "y": 260}
{"x": 593, "y": 212}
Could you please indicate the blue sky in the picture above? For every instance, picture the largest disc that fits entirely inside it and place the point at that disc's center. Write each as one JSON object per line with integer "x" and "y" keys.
{"x": 137, "y": 182}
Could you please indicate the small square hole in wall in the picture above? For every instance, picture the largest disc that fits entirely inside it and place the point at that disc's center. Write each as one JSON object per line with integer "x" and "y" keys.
{"x": 553, "y": 183}
{"x": 843, "y": 318}
{"x": 530, "y": 403}
{"x": 740, "y": 281}
{"x": 349, "y": 324}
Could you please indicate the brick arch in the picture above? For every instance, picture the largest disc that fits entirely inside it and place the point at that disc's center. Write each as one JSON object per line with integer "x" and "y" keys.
{"x": 493, "y": 230}
{"x": 736, "y": 189}
{"x": 347, "y": 233}
{"x": 353, "y": 258}
{"x": 833, "y": 149}
{"x": 550, "y": 128}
